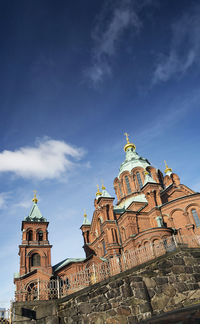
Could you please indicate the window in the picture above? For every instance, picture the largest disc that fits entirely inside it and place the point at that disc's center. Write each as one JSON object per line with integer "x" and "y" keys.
{"x": 30, "y": 235}
{"x": 116, "y": 237}
{"x": 107, "y": 211}
{"x": 35, "y": 260}
{"x": 128, "y": 185}
{"x": 104, "y": 247}
{"x": 87, "y": 236}
{"x": 196, "y": 217}
{"x": 160, "y": 177}
{"x": 113, "y": 237}
{"x": 40, "y": 236}
{"x": 139, "y": 180}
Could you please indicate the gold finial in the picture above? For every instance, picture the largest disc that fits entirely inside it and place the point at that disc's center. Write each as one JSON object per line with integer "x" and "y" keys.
{"x": 98, "y": 193}
{"x": 103, "y": 187}
{"x": 128, "y": 144}
{"x": 167, "y": 169}
{"x": 35, "y": 200}
{"x": 85, "y": 215}
{"x": 127, "y": 137}
{"x": 146, "y": 172}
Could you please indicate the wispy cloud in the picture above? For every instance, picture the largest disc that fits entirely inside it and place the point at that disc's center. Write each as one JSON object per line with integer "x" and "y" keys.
{"x": 48, "y": 159}
{"x": 3, "y": 199}
{"x": 184, "y": 48}
{"x": 112, "y": 22}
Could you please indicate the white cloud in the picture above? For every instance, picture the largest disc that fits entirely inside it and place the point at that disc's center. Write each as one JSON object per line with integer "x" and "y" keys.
{"x": 49, "y": 159}
{"x": 111, "y": 25}
{"x": 184, "y": 48}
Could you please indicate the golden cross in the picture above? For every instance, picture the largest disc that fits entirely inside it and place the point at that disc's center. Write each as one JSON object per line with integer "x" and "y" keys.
{"x": 127, "y": 135}
{"x": 35, "y": 191}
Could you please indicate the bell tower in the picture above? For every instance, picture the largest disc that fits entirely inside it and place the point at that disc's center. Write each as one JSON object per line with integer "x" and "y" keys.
{"x": 35, "y": 250}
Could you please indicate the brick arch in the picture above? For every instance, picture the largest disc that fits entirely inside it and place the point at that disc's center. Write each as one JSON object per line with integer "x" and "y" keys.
{"x": 41, "y": 253}
{"x": 174, "y": 210}
{"x": 179, "y": 219}
{"x": 134, "y": 178}
{"x": 192, "y": 205}
{"x": 154, "y": 238}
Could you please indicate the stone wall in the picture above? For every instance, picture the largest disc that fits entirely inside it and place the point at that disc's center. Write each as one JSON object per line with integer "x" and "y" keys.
{"x": 168, "y": 283}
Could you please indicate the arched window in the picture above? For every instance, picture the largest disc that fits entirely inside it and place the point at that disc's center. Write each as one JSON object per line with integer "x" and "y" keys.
{"x": 116, "y": 237}
{"x": 196, "y": 217}
{"x": 104, "y": 247}
{"x": 160, "y": 177}
{"x": 87, "y": 236}
{"x": 30, "y": 235}
{"x": 35, "y": 260}
{"x": 128, "y": 185}
{"x": 107, "y": 212}
{"x": 139, "y": 180}
{"x": 120, "y": 190}
{"x": 40, "y": 236}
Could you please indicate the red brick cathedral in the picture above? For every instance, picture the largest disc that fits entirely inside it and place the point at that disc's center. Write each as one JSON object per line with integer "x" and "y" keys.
{"x": 150, "y": 207}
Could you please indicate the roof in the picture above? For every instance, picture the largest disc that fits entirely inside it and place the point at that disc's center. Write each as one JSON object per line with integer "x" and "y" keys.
{"x": 105, "y": 193}
{"x": 127, "y": 202}
{"x": 65, "y": 262}
{"x": 35, "y": 215}
{"x": 133, "y": 160}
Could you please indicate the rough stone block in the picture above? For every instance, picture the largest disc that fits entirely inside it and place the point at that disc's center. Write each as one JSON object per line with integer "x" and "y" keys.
{"x": 140, "y": 293}
{"x": 145, "y": 308}
{"x": 82, "y": 298}
{"x": 134, "y": 278}
{"x": 165, "y": 264}
{"x": 178, "y": 269}
{"x": 161, "y": 280}
{"x": 197, "y": 276}
{"x": 103, "y": 307}
{"x": 126, "y": 291}
{"x": 159, "y": 302}
{"x": 149, "y": 282}
{"x": 52, "y": 320}
{"x": 132, "y": 320}
{"x": 178, "y": 261}
{"x": 116, "y": 284}
{"x": 84, "y": 308}
{"x": 169, "y": 291}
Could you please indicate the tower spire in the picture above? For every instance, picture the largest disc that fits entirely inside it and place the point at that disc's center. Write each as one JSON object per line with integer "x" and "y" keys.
{"x": 85, "y": 221}
{"x": 128, "y": 144}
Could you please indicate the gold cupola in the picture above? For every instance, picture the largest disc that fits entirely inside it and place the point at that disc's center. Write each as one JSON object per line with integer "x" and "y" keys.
{"x": 98, "y": 193}
{"x": 167, "y": 169}
{"x": 128, "y": 144}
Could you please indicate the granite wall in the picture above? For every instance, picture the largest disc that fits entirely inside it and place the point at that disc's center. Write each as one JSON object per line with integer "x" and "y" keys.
{"x": 171, "y": 282}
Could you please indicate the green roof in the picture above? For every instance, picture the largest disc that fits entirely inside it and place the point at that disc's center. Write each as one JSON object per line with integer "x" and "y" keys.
{"x": 35, "y": 215}
{"x": 65, "y": 262}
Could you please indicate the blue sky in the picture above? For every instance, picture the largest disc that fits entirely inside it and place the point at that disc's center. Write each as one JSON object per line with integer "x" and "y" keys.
{"x": 74, "y": 77}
